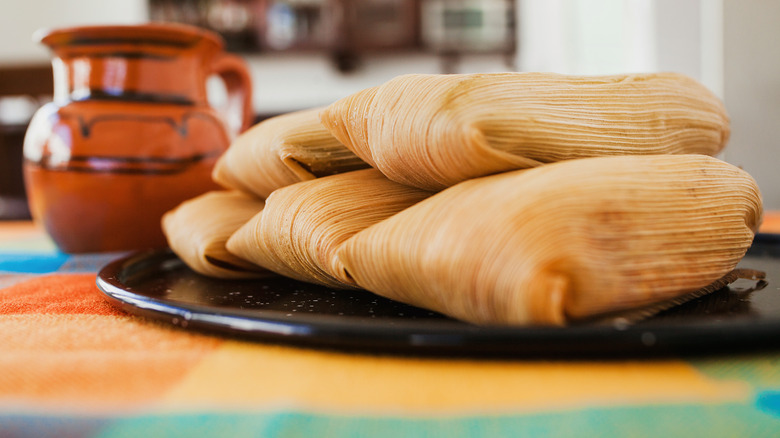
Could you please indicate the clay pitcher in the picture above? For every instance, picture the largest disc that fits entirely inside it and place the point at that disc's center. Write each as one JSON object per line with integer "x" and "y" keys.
{"x": 130, "y": 133}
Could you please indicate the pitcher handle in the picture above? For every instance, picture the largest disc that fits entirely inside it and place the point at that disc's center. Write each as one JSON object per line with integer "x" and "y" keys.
{"x": 238, "y": 82}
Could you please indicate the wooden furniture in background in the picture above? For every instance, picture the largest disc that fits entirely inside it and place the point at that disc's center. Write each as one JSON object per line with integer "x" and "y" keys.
{"x": 26, "y": 80}
{"x": 351, "y": 29}
{"x": 34, "y": 82}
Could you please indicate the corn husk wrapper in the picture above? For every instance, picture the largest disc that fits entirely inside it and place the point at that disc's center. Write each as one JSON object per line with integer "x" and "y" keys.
{"x": 281, "y": 151}
{"x": 432, "y": 131}
{"x": 302, "y": 225}
{"x": 198, "y": 229}
{"x": 563, "y": 242}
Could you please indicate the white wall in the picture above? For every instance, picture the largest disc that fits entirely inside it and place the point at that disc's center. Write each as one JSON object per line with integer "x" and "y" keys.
{"x": 616, "y": 36}
{"x": 752, "y": 90}
{"x": 587, "y": 36}
{"x": 19, "y": 19}
{"x": 284, "y": 83}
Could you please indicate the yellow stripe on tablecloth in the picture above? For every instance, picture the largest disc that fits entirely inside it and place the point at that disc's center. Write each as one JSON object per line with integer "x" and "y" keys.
{"x": 24, "y": 236}
{"x": 243, "y": 376}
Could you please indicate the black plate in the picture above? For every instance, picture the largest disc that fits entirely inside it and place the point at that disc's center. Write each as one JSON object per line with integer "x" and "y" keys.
{"x": 156, "y": 284}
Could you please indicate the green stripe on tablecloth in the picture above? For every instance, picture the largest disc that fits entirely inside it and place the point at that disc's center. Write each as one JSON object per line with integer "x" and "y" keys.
{"x": 758, "y": 370}
{"x": 717, "y": 420}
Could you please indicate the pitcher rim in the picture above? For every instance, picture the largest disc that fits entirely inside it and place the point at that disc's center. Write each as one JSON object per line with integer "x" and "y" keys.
{"x": 170, "y": 33}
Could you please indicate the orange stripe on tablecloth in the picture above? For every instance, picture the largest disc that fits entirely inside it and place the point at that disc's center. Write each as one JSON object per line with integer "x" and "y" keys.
{"x": 93, "y": 362}
{"x": 771, "y": 222}
{"x": 63, "y": 345}
{"x": 55, "y": 294}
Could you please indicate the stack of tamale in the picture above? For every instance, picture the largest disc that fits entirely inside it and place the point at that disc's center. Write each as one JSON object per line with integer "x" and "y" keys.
{"x": 508, "y": 198}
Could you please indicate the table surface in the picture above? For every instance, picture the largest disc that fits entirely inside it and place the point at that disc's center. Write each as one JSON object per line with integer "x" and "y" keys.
{"x": 72, "y": 365}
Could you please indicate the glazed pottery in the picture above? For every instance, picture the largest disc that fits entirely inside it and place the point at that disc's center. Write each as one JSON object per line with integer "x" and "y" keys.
{"x": 130, "y": 133}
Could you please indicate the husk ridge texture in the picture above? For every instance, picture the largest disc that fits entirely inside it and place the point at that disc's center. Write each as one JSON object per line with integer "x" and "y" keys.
{"x": 563, "y": 241}
{"x": 433, "y": 131}
{"x": 280, "y": 151}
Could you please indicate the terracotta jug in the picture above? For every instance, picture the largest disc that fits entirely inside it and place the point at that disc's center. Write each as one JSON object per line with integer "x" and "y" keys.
{"x": 130, "y": 133}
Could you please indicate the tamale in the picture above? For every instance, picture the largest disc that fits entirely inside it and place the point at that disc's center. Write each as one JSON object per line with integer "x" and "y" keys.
{"x": 281, "y": 151}
{"x": 432, "y": 131}
{"x": 347, "y": 120}
{"x": 302, "y": 225}
{"x": 562, "y": 242}
{"x": 198, "y": 229}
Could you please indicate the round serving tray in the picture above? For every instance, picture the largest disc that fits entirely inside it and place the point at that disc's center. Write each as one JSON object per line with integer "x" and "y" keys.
{"x": 157, "y": 284}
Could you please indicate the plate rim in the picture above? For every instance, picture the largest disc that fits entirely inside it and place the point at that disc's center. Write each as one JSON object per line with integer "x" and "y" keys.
{"x": 440, "y": 337}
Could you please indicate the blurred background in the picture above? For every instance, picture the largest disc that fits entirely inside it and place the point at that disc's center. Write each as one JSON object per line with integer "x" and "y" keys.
{"x": 306, "y": 53}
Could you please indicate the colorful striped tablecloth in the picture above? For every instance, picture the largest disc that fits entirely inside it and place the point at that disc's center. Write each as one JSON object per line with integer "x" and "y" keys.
{"x": 72, "y": 365}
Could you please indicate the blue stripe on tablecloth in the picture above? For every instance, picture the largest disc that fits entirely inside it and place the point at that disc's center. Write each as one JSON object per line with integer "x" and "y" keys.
{"x": 49, "y": 262}
{"x": 32, "y": 263}
{"x": 769, "y": 402}
{"x": 668, "y": 420}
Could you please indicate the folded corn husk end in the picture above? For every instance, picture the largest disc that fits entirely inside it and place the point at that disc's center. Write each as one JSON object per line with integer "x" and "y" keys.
{"x": 320, "y": 158}
{"x": 563, "y": 242}
{"x": 347, "y": 120}
{"x": 197, "y": 231}
{"x": 302, "y": 226}
{"x": 283, "y": 150}
{"x": 248, "y": 243}
{"x": 297, "y": 167}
